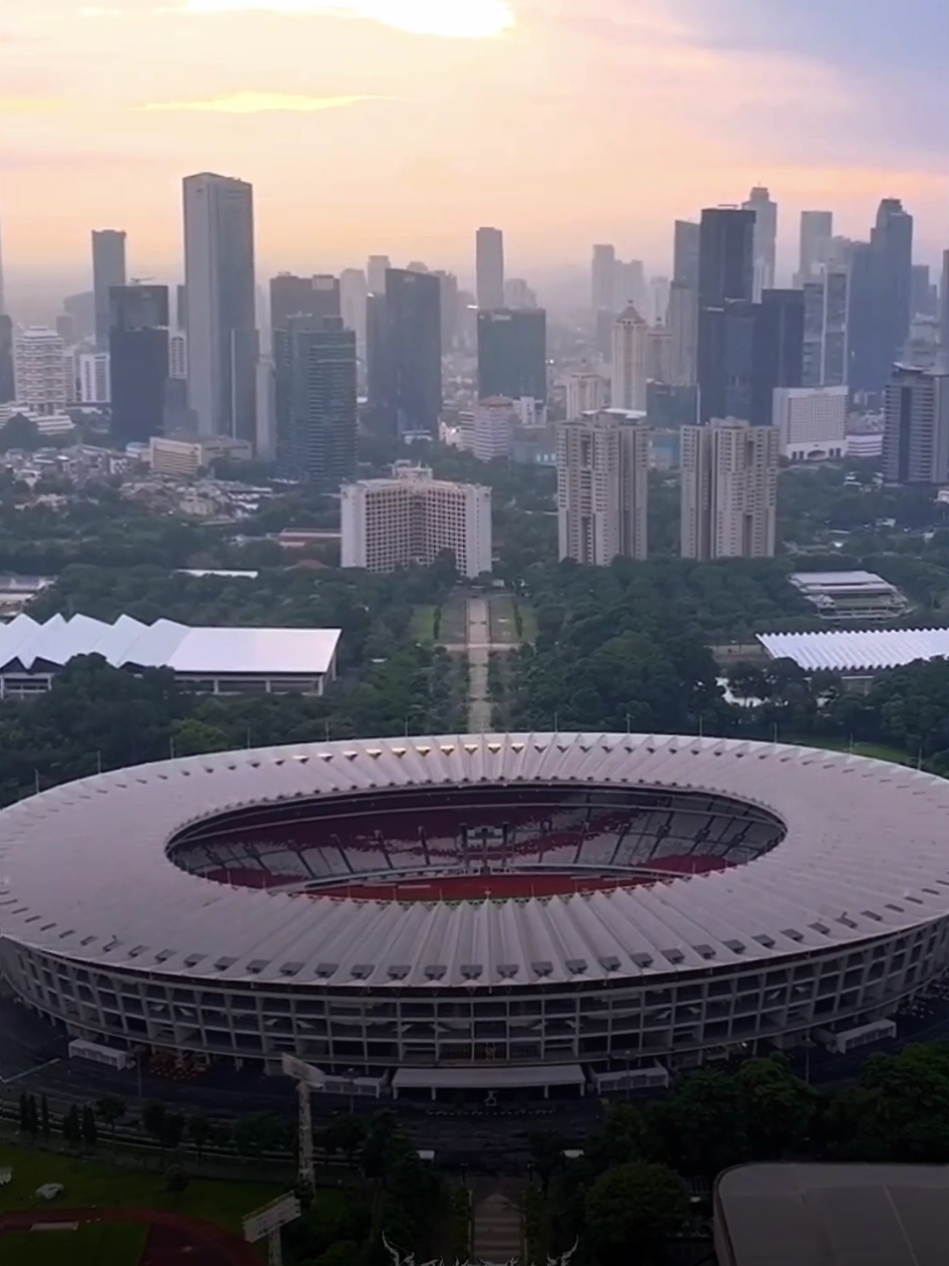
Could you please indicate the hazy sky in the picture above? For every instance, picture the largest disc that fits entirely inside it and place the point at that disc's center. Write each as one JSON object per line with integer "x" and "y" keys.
{"x": 398, "y": 126}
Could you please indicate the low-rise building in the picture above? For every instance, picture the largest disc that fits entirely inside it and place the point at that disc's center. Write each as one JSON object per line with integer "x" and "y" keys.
{"x": 185, "y": 457}
{"x": 850, "y": 595}
{"x": 811, "y": 421}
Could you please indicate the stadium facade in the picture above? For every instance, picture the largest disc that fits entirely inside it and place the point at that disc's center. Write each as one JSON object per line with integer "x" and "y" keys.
{"x": 522, "y": 904}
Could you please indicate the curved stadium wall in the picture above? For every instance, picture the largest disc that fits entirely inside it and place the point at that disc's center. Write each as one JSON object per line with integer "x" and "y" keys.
{"x": 525, "y": 899}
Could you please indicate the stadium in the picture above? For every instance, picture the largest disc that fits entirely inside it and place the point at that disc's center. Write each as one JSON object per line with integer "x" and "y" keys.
{"x": 522, "y": 910}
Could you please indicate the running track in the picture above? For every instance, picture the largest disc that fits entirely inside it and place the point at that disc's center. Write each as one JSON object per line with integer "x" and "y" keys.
{"x": 172, "y": 1238}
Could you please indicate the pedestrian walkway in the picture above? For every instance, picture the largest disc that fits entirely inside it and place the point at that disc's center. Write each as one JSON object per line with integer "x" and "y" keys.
{"x": 496, "y": 1233}
{"x": 479, "y": 705}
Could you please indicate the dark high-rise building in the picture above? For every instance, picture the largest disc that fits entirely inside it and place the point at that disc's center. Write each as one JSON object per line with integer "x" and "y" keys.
{"x": 512, "y": 353}
{"x": 813, "y": 294}
{"x": 108, "y": 270}
{"x": 726, "y": 256}
{"x": 7, "y": 385}
{"x": 944, "y": 303}
{"x": 891, "y": 240}
{"x": 318, "y": 440}
{"x": 726, "y": 313}
{"x": 916, "y": 432}
{"x": 685, "y": 253}
{"x": 302, "y": 296}
{"x": 222, "y": 332}
{"x": 449, "y": 307}
{"x": 181, "y": 306}
{"x": 862, "y": 319}
{"x": 138, "y": 361}
{"x": 377, "y": 372}
{"x": 82, "y": 308}
{"x": 778, "y": 349}
{"x": 412, "y": 357}
{"x": 489, "y": 267}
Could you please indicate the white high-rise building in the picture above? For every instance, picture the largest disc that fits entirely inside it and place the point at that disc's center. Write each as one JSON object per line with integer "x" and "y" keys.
{"x": 586, "y": 393}
{"x": 631, "y": 360}
{"x": 493, "y": 428}
{"x": 682, "y": 323}
{"x": 178, "y": 355}
{"x": 94, "y": 378}
{"x": 602, "y": 488}
{"x": 376, "y": 268}
{"x": 811, "y": 421}
{"x": 412, "y": 518}
{"x": 518, "y": 294}
{"x": 39, "y": 370}
{"x": 220, "y": 288}
{"x": 489, "y": 268}
{"x": 729, "y": 490}
{"x": 765, "y": 238}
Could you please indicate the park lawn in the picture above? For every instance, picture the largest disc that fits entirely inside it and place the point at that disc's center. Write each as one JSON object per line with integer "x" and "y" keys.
{"x": 90, "y": 1183}
{"x": 93, "y": 1244}
{"x": 422, "y": 627}
{"x": 528, "y": 622}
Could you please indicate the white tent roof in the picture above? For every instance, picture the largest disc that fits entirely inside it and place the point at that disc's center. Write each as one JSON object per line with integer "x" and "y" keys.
{"x": 166, "y": 644}
{"x": 838, "y": 650}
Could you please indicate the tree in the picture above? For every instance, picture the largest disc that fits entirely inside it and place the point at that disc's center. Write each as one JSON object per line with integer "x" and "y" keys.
{"x": 258, "y": 1134}
{"x": 24, "y": 1123}
{"x": 154, "y": 1122}
{"x": 200, "y": 1132}
{"x": 632, "y": 1211}
{"x": 346, "y": 1134}
{"x": 90, "y": 1134}
{"x": 546, "y": 1149}
{"x": 33, "y": 1118}
{"x": 72, "y": 1126}
{"x": 176, "y": 1181}
{"x": 779, "y": 1108}
{"x": 110, "y": 1111}
{"x": 620, "y": 1140}
{"x": 700, "y": 1128}
{"x": 44, "y": 1117}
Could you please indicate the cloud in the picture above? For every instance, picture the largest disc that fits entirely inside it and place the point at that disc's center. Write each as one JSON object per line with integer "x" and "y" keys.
{"x": 258, "y": 103}
{"x": 459, "y": 19}
{"x": 31, "y": 105}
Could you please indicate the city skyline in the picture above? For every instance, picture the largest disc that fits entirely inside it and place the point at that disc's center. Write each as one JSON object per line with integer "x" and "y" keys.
{"x": 526, "y": 93}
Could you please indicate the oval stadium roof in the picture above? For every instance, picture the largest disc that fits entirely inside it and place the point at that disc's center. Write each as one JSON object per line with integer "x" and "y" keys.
{"x": 85, "y": 873}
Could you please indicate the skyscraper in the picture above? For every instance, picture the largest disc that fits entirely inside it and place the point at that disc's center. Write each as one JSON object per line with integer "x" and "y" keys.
{"x": 108, "y": 270}
{"x": 489, "y": 267}
{"x": 413, "y": 351}
{"x": 321, "y": 439}
{"x": 376, "y": 269}
{"x": 602, "y": 488}
{"x": 352, "y": 305}
{"x": 302, "y": 296}
{"x": 685, "y": 253}
{"x": 603, "y": 278}
{"x": 817, "y": 230}
{"x": 448, "y": 284}
{"x": 778, "y": 349}
{"x": 512, "y": 353}
{"x": 729, "y": 490}
{"x": 944, "y": 303}
{"x": 916, "y": 430}
{"x": 631, "y": 361}
{"x": 138, "y": 361}
{"x": 726, "y": 312}
{"x": 682, "y": 323}
{"x": 765, "y": 238}
{"x": 891, "y": 244}
{"x": 7, "y": 387}
{"x": 219, "y": 280}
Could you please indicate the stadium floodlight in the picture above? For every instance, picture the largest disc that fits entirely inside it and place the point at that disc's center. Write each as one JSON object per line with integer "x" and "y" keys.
{"x": 267, "y": 1221}
{"x": 308, "y": 1079}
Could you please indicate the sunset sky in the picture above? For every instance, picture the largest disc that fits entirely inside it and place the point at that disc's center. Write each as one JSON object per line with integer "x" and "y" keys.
{"x": 398, "y": 126}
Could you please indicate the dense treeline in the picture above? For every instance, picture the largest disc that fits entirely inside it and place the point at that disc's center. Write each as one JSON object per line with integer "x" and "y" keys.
{"x": 100, "y": 717}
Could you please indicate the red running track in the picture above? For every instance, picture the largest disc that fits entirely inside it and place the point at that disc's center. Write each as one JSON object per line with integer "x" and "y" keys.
{"x": 172, "y": 1238}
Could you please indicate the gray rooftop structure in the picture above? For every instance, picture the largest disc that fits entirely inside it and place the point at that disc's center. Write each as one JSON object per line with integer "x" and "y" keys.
{"x": 832, "y": 1215}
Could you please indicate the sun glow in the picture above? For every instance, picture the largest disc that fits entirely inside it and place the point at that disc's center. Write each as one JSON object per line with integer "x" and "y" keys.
{"x": 453, "y": 19}
{"x": 258, "y": 103}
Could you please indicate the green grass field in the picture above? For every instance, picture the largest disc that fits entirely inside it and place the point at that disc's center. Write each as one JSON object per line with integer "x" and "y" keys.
{"x": 89, "y": 1183}
{"x": 422, "y": 627}
{"x": 109, "y": 1244}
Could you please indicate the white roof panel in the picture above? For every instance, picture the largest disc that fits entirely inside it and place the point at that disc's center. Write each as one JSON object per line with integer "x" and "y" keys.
{"x": 840, "y": 650}
{"x": 255, "y": 651}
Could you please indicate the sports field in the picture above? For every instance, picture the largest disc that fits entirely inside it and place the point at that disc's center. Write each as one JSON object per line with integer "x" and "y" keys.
{"x": 91, "y": 1244}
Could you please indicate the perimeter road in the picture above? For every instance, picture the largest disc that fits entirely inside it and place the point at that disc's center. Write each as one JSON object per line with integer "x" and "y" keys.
{"x": 479, "y": 643}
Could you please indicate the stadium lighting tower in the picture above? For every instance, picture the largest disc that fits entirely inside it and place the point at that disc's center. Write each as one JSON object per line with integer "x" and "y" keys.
{"x": 308, "y": 1079}
{"x": 266, "y": 1223}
